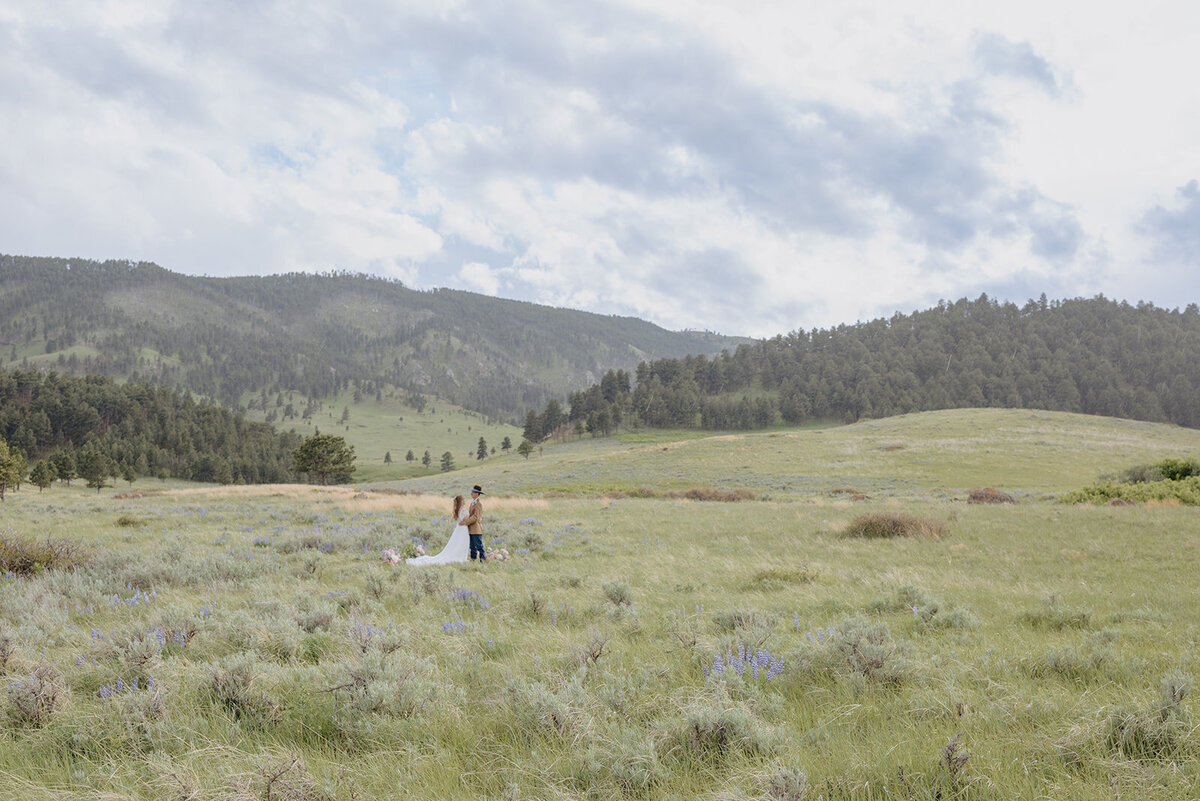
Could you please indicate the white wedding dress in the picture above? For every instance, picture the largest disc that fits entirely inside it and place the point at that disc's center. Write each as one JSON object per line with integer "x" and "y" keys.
{"x": 457, "y": 547}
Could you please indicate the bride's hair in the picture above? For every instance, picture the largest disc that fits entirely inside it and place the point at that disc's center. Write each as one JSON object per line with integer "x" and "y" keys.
{"x": 458, "y": 502}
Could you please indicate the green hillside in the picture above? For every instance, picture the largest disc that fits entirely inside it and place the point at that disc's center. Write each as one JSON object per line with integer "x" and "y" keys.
{"x": 939, "y": 454}
{"x": 314, "y": 335}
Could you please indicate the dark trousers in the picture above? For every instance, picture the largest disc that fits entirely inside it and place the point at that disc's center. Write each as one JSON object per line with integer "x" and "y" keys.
{"x": 477, "y": 546}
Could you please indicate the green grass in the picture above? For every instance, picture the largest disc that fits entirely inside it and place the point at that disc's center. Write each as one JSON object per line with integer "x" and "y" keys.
{"x": 390, "y": 425}
{"x": 932, "y": 454}
{"x": 1032, "y": 667}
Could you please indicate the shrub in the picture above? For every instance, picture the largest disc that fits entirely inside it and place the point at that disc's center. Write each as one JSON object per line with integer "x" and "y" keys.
{"x": 787, "y": 784}
{"x": 1069, "y": 663}
{"x": 715, "y": 729}
{"x": 1142, "y": 735}
{"x": 424, "y": 582}
{"x": 542, "y": 711}
{"x": 1177, "y": 469}
{"x": 868, "y": 650}
{"x": 776, "y": 578}
{"x": 26, "y": 556}
{"x": 530, "y": 539}
{"x": 930, "y": 612}
{"x": 1140, "y": 474}
{"x": 618, "y": 593}
{"x": 749, "y": 624}
{"x": 385, "y": 684}
{"x": 989, "y": 495}
{"x": 129, "y": 521}
{"x": 232, "y": 688}
{"x": 875, "y": 525}
{"x": 1185, "y": 491}
{"x": 713, "y": 494}
{"x": 33, "y": 699}
{"x": 628, "y": 764}
{"x": 1056, "y": 617}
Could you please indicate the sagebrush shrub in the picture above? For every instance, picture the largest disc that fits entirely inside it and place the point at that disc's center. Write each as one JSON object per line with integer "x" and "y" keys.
{"x": 787, "y": 784}
{"x": 715, "y": 728}
{"x": 1055, "y": 616}
{"x": 26, "y": 556}
{"x": 34, "y": 698}
{"x": 618, "y": 593}
{"x": 543, "y": 711}
{"x": 868, "y": 650}
{"x": 232, "y": 687}
{"x": 627, "y": 765}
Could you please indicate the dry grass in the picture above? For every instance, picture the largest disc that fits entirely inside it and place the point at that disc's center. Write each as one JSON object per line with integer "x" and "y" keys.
{"x": 352, "y": 499}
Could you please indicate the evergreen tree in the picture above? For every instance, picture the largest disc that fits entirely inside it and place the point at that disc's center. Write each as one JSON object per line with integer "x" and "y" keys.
{"x": 481, "y": 450}
{"x": 387, "y": 457}
{"x": 506, "y": 445}
{"x": 410, "y": 456}
{"x": 324, "y": 457}
{"x": 42, "y": 474}
{"x": 8, "y": 468}
{"x": 64, "y": 465}
{"x": 94, "y": 466}
{"x": 447, "y": 462}
{"x": 525, "y": 448}
{"x": 426, "y": 460}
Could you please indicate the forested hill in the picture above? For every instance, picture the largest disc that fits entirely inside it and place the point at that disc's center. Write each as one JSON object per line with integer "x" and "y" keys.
{"x": 1094, "y": 356}
{"x": 92, "y": 427}
{"x": 313, "y": 334}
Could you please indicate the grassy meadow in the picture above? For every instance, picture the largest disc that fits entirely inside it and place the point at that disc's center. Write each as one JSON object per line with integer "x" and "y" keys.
{"x": 390, "y": 426}
{"x": 250, "y": 643}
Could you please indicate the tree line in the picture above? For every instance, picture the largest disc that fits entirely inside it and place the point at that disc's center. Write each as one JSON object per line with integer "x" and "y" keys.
{"x": 93, "y": 427}
{"x": 1094, "y": 356}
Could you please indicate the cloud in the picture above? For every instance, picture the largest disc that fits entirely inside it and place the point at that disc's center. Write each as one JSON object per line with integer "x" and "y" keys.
{"x": 700, "y": 165}
{"x": 999, "y": 56}
{"x": 1175, "y": 232}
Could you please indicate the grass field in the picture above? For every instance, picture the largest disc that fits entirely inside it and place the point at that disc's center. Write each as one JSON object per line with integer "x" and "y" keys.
{"x": 376, "y": 429}
{"x": 1032, "y": 651}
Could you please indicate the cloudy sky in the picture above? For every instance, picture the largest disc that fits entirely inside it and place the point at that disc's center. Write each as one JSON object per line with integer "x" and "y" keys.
{"x": 747, "y": 168}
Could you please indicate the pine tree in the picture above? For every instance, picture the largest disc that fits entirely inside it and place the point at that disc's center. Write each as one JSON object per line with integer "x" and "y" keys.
{"x": 447, "y": 462}
{"x": 94, "y": 466}
{"x": 481, "y": 451}
{"x": 42, "y": 475}
{"x": 324, "y": 457}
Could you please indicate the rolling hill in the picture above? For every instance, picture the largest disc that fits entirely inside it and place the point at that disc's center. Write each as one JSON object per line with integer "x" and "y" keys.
{"x": 315, "y": 335}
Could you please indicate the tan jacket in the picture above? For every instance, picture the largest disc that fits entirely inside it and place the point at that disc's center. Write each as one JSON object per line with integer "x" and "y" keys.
{"x": 474, "y": 521}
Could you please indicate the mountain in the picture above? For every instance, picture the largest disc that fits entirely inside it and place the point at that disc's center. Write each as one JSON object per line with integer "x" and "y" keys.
{"x": 226, "y": 338}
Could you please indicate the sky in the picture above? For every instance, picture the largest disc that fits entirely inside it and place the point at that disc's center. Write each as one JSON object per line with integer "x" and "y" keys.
{"x": 745, "y": 168}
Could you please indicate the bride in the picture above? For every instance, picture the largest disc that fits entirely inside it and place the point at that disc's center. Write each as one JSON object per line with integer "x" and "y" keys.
{"x": 456, "y": 547}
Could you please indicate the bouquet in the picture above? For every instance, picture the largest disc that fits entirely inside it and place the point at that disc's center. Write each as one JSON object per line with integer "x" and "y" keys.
{"x": 499, "y": 554}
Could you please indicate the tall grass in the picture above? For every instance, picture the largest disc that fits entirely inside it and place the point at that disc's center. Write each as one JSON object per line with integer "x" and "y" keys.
{"x": 248, "y": 644}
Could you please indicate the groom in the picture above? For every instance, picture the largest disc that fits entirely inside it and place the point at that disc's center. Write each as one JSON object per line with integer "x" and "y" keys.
{"x": 474, "y": 524}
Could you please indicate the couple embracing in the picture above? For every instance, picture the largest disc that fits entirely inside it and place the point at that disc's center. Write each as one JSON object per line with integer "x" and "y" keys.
{"x": 467, "y": 539}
